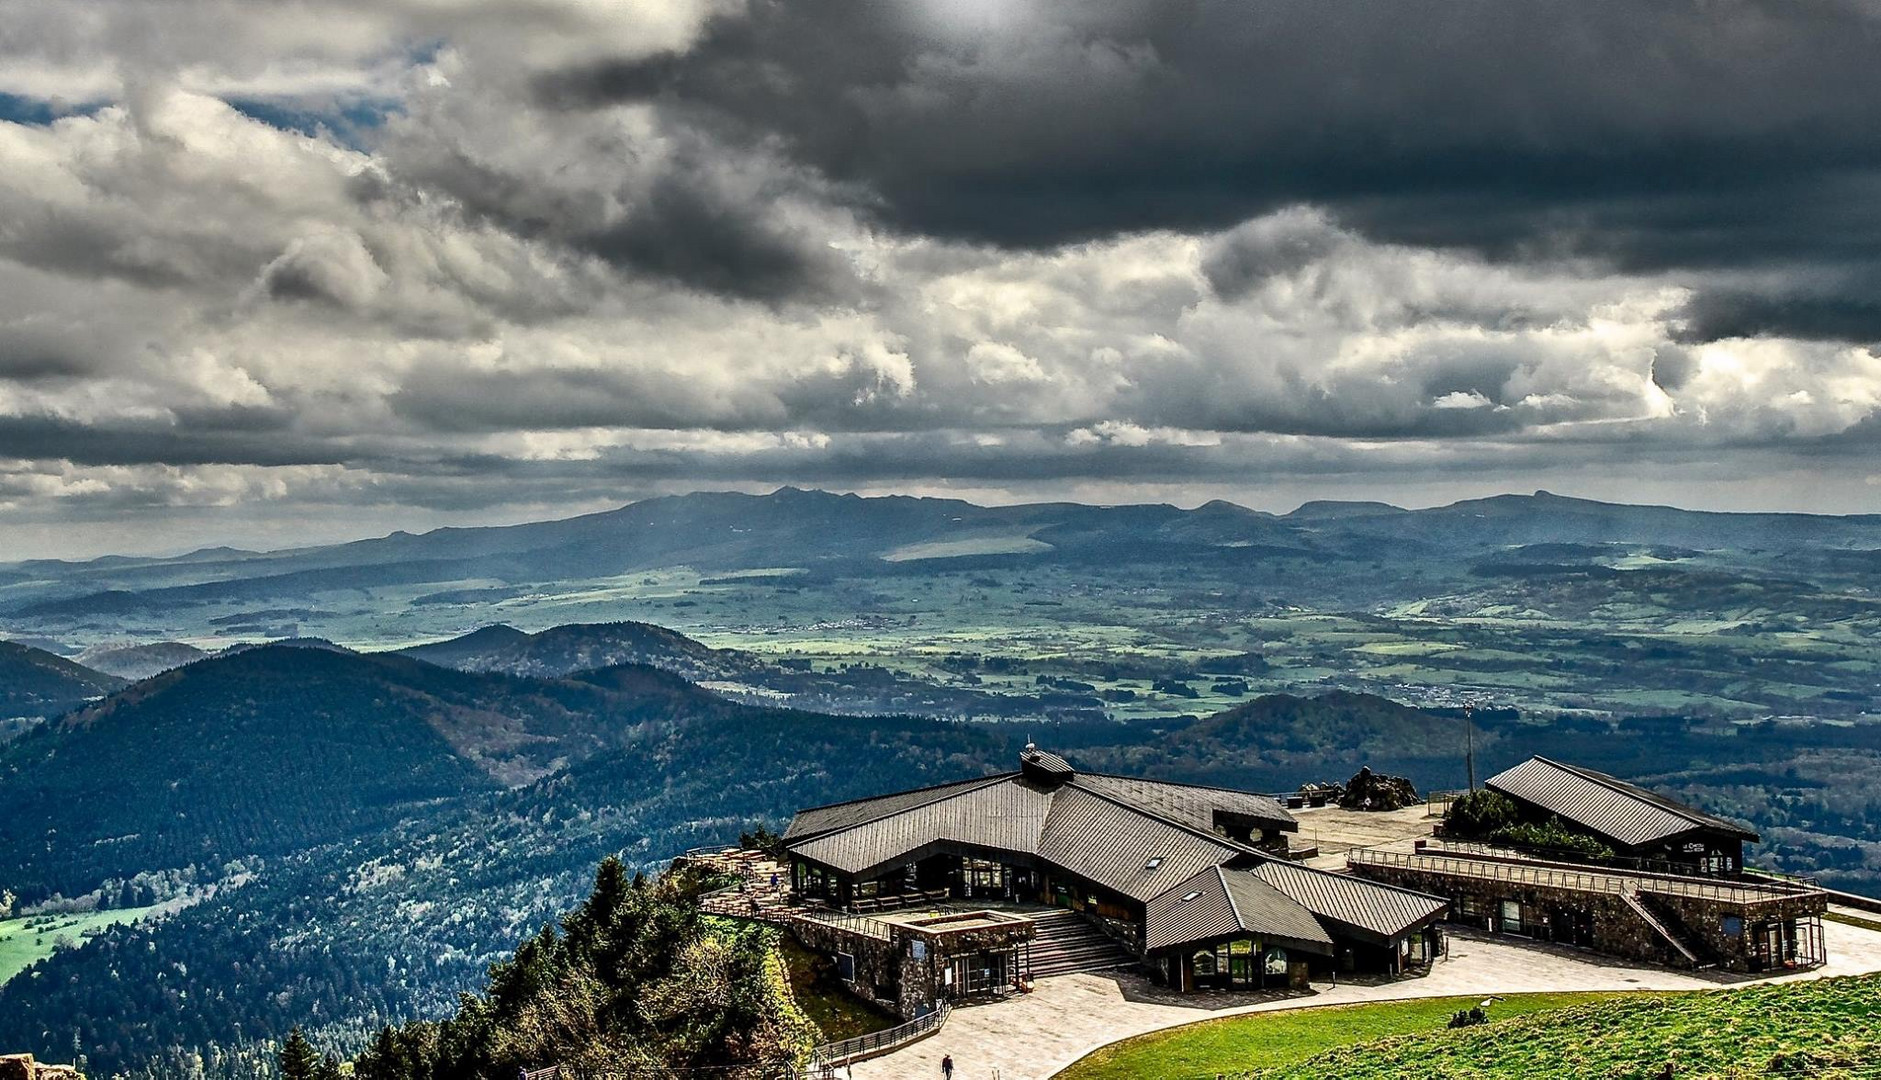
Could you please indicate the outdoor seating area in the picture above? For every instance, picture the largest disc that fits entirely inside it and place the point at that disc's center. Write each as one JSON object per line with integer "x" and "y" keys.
{"x": 897, "y": 901}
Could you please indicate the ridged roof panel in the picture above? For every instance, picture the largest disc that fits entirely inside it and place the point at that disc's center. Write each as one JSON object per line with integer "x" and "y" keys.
{"x": 1190, "y": 804}
{"x": 822, "y": 819}
{"x": 1006, "y": 815}
{"x": 1623, "y": 812}
{"x": 1227, "y": 903}
{"x": 1113, "y": 845}
{"x": 1348, "y": 900}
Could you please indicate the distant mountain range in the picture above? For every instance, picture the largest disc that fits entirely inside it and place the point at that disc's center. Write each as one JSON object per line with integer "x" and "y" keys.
{"x": 847, "y": 534}
{"x": 35, "y": 683}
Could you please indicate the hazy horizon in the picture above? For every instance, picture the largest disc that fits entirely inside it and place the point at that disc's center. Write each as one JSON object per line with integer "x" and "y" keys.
{"x": 1190, "y": 501}
{"x": 269, "y": 277}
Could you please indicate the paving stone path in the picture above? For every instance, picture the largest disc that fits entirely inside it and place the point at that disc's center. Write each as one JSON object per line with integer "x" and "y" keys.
{"x": 1033, "y": 1037}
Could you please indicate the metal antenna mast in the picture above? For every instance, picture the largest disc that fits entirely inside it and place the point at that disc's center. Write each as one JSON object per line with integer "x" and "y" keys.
{"x": 1469, "y": 741}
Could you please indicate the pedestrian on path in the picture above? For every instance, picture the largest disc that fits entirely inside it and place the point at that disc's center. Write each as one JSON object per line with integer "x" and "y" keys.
{"x": 947, "y": 1067}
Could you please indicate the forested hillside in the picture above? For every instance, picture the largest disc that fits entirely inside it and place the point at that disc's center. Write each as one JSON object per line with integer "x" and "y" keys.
{"x": 383, "y": 829}
{"x": 563, "y": 650}
{"x": 36, "y": 683}
{"x": 635, "y": 980}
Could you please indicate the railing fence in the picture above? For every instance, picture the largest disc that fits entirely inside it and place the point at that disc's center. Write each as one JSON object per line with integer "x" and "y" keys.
{"x": 1591, "y": 880}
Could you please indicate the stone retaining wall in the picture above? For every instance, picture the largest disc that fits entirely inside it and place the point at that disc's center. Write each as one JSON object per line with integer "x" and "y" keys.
{"x": 1618, "y": 930}
{"x": 22, "y": 1067}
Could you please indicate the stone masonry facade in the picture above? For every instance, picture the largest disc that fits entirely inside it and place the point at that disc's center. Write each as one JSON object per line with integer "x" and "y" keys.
{"x": 1719, "y": 930}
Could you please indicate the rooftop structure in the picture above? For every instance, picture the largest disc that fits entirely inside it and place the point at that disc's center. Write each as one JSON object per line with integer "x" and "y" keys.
{"x": 1674, "y": 890}
{"x": 1637, "y": 823}
{"x": 1193, "y": 879}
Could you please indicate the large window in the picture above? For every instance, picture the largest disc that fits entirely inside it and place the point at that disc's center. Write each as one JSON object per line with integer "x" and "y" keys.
{"x": 983, "y": 877}
{"x": 1512, "y": 916}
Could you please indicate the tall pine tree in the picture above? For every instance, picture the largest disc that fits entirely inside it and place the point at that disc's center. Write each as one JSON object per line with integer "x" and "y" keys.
{"x": 300, "y": 1061}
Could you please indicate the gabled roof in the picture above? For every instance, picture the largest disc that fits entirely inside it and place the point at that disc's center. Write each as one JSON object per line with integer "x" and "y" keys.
{"x": 1219, "y": 902}
{"x": 1371, "y": 909}
{"x": 1108, "y": 829}
{"x": 822, "y": 819}
{"x": 1114, "y": 844}
{"x": 1005, "y": 814}
{"x": 1190, "y": 804}
{"x": 1625, "y": 813}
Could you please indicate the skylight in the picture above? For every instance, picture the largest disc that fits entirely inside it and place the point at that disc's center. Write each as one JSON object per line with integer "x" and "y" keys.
{"x": 1153, "y": 863}
{"x": 1188, "y": 896}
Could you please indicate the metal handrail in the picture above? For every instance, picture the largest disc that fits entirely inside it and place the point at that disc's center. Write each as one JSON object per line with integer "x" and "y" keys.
{"x": 1557, "y": 877}
{"x": 841, "y": 1053}
{"x": 1655, "y": 880}
{"x": 843, "y": 920}
{"x": 1775, "y": 879}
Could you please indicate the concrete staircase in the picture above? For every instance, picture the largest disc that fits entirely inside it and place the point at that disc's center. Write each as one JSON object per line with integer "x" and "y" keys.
{"x": 1662, "y": 927}
{"x": 1066, "y": 941}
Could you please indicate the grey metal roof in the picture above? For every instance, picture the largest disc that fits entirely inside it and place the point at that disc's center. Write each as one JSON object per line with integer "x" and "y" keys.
{"x": 1190, "y": 804}
{"x": 822, "y": 819}
{"x": 1045, "y": 766}
{"x": 1351, "y": 902}
{"x": 1227, "y": 903}
{"x": 1626, "y": 813}
{"x": 1006, "y": 814}
{"x": 1112, "y": 844}
{"x": 1108, "y": 829}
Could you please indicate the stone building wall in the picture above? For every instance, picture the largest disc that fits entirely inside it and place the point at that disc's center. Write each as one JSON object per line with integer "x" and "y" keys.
{"x": 1618, "y": 930}
{"x": 23, "y": 1067}
{"x": 878, "y": 961}
{"x": 904, "y": 974}
{"x": 1704, "y": 921}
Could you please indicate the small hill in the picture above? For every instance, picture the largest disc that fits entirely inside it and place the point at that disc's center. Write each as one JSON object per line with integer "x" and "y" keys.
{"x": 34, "y": 682}
{"x": 564, "y": 650}
{"x": 1820, "y": 1028}
{"x": 1276, "y": 739}
{"x": 259, "y": 753}
{"x": 136, "y": 662}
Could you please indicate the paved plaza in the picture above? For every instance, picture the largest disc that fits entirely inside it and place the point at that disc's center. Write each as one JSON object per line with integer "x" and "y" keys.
{"x": 1033, "y": 1037}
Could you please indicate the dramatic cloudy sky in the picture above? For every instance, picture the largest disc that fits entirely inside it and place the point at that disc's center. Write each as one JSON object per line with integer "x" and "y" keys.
{"x": 282, "y": 271}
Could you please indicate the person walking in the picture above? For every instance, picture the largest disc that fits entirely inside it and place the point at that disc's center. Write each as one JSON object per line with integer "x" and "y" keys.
{"x": 947, "y": 1067}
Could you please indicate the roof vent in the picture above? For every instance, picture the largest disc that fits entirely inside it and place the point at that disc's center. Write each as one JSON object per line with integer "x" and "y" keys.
{"x": 1044, "y": 766}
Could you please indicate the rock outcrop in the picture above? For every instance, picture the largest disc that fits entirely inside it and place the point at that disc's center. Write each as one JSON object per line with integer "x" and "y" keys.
{"x": 22, "y": 1067}
{"x": 1368, "y": 790}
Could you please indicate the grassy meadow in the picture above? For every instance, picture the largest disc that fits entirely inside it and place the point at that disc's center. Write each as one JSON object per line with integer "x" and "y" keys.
{"x": 26, "y": 941}
{"x": 1268, "y": 1040}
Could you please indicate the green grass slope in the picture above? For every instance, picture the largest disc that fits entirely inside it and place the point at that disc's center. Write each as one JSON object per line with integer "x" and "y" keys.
{"x": 26, "y": 941}
{"x": 1216, "y": 1047}
{"x": 1825, "y": 1029}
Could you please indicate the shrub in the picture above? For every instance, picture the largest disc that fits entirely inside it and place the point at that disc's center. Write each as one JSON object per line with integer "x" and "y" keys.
{"x": 1468, "y": 1017}
{"x": 1551, "y": 836}
{"x": 1478, "y": 814}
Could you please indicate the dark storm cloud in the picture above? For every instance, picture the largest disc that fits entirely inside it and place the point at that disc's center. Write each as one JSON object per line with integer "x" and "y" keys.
{"x": 240, "y": 437}
{"x": 698, "y": 214}
{"x": 681, "y": 233}
{"x": 1653, "y": 135}
{"x": 1841, "y": 309}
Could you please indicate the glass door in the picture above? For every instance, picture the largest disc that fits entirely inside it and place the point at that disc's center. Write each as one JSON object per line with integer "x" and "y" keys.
{"x": 1241, "y": 964}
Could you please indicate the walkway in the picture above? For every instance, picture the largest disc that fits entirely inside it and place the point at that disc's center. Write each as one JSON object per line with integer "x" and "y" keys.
{"x": 1032, "y": 1037}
